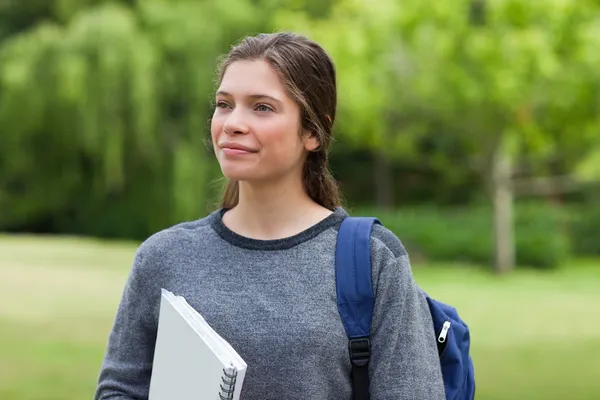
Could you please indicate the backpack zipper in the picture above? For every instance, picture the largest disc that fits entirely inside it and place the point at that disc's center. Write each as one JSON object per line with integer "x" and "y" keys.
{"x": 444, "y": 332}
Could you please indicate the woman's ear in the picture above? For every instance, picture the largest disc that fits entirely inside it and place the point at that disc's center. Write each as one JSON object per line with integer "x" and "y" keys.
{"x": 310, "y": 140}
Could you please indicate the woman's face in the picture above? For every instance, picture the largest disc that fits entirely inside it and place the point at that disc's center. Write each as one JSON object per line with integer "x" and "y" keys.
{"x": 255, "y": 128}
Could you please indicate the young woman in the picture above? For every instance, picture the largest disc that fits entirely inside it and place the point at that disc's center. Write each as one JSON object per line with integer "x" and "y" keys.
{"x": 260, "y": 269}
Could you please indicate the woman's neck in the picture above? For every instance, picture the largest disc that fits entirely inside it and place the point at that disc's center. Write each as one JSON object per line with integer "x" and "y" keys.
{"x": 273, "y": 211}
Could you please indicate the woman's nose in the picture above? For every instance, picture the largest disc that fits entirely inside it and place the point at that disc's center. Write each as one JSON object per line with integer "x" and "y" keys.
{"x": 235, "y": 123}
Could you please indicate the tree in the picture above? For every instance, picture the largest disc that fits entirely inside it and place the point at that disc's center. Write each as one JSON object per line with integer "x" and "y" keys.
{"x": 106, "y": 116}
{"x": 497, "y": 78}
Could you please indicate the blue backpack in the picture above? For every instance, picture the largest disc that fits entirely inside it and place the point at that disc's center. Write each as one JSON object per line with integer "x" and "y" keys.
{"x": 355, "y": 305}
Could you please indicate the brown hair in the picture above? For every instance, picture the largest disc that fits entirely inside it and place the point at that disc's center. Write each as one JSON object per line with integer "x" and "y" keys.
{"x": 308, "y": 75}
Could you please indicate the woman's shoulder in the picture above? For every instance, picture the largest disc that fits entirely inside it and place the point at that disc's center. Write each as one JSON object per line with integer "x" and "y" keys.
{"x": 383, "y": 239}
{"x": 389, "y": 259}
{"x": 175, "y": 237}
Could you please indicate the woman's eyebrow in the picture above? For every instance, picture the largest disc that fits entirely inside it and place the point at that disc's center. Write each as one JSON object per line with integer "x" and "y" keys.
{"x": 253, "y": 96}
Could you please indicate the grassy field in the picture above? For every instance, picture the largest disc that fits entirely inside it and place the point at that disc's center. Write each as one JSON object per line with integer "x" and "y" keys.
{"x": 534, "y": 335}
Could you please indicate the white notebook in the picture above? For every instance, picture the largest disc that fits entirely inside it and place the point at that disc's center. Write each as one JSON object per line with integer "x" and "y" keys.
{"x": 191, "y": 361}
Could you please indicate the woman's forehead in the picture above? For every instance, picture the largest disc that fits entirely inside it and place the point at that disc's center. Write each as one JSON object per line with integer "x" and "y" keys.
{"x": 250, "y": 78}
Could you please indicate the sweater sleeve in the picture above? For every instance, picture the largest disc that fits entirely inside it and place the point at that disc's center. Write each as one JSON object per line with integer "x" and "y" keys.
{"x": 127, "y": 365}
{"x": 405, "y": 364}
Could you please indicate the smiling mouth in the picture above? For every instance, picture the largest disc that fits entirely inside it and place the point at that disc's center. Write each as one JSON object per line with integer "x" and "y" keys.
{"x": 230, "y": 151}
{"x": 235, "y": 149}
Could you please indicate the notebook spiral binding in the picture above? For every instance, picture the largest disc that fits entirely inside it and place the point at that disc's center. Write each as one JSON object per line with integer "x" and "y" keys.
{"x": 228, "y": 384}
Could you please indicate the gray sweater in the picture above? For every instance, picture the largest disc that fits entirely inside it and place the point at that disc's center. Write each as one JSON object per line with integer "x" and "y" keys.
{"x": 275, "y": 302}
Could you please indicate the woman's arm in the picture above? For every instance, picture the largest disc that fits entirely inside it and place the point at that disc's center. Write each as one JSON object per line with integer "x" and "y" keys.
{"x": 126, "y": 369}
{"x": 405, "y": 364}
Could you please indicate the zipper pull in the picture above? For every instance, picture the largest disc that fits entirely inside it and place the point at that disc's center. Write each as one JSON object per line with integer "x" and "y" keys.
{"x": 444, "y": 332}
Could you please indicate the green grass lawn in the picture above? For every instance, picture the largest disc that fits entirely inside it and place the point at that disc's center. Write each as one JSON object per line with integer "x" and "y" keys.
{"x": 534, "y": 335}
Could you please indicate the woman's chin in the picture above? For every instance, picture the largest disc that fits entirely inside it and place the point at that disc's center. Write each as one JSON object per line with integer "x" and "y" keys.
{"x": 237, "y": 174}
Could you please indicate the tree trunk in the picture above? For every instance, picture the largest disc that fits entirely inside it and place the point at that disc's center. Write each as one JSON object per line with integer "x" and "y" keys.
{"x": 384, "y": 181}
{"x": 502, "y": 199}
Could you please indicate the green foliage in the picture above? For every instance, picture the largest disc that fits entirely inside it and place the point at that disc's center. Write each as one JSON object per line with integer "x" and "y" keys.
{"x": 465, "y": 234}
{"x": 523, "y": 70}
{"x": 104, "y": 104}
{"x": 585, "y": 227}
{"x": 113, "y": 107}
{"x": 542, "y": 237}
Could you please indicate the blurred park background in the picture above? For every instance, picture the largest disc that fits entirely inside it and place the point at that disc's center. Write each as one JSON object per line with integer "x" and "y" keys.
{"x": 471, "y": 128}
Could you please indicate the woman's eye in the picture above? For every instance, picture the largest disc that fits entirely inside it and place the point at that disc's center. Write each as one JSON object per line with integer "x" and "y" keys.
{"x": 221, "y": 104}
{"x": 263, "y": 108}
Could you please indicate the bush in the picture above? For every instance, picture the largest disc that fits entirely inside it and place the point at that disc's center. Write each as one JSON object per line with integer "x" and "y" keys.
{"x": 466, "y": 234}
{"x": 585, "y": 230}
{"x": 542, "y": 237}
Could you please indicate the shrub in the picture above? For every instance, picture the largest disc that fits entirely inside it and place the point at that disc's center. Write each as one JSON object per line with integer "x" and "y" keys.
{"x": 466, "y": 234}
{"x": 585, "y": 229}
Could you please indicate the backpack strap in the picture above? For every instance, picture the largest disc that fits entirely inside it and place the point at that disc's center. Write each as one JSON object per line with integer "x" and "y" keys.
{"x": 355, "y": 295}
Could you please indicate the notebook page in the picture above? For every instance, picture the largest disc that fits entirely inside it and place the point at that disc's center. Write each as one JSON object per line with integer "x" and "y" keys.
{"x": 196, "y": 321}
{"x": 226, "y": 352}
{"x": 224, "y": 348}
{"x": 184, "y": 366}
